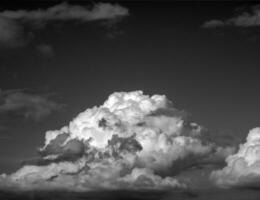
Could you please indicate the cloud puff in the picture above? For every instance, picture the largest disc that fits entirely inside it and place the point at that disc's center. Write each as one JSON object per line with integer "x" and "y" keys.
{"x": 243, "y": 168}
{"x": 245, "y": 19}
{"x": 45, "y": 50}
{"x": 25, "y": 104}
{"x": 12, "y": 34}
{"x": 132, "y": 141}
{"x": 12, "y": 22}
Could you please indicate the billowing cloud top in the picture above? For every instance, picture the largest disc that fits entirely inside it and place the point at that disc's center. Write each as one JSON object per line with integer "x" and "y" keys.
{"x": 132, "y": 141}
{"x": 243, "y": 168}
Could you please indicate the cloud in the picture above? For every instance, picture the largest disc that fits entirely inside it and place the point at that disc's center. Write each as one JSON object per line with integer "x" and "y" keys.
{"x": 66, "y": 12}
{"x": 213, "y": 23}
{"x": 12, "y": 34}
{"x": 243, "y": 168}
{"x": 25, "y": 104}
{"x": 45, "y": 50}
{"x": 245, "y": 19}
{"x": 13, "y": 22}
{"x": 132, "y": 141}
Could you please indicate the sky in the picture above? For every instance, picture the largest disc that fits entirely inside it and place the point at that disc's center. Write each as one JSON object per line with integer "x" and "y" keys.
{"x": 202, "y": 55}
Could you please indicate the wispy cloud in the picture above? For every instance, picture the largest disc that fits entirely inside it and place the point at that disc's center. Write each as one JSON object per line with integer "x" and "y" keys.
{"x": 12, "y": 22}
{"x": 65, "y": 11}
{"x": 245, "y": 19}
{"x": 27, "y": 104}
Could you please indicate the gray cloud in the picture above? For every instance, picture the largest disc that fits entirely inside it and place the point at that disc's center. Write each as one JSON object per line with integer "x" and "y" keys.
{"x": 132, "y": 141}
{"x": 12, "y": 34}
{"x": 245, "y": 19}
{"x": 66, "y": 12}
{"x": 26, "y": 104}
{"x": 12, "y": 22}
{"x": 45, "y": 50}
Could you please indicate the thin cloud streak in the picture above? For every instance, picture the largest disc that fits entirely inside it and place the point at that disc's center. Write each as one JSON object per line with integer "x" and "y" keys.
{"x": 64, "y": 11}
{"x": 245, "y": 19}
{"x": 12, "y": 22}
{"x": 28, "y": 105}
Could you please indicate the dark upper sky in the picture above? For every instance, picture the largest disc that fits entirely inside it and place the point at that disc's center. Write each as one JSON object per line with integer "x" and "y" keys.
{"x": 160, "y": 47}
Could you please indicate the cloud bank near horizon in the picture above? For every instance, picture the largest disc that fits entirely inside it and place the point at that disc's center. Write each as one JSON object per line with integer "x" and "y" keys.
{"x": 132, "y": 141}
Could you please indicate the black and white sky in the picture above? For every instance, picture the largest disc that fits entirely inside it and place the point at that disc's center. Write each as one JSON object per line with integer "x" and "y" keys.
{"x": 58, "y": 58}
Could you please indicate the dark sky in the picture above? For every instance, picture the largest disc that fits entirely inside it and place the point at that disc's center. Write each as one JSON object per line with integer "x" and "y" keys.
{"x": 161, "y": 47}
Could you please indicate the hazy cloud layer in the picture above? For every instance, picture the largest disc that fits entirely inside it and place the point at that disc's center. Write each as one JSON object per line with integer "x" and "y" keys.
{"x": 243, "y": 168}
{"x": 245, "y": 19}
{"x": 132, "y": 141}
{"x": 12, "y": 33}
{"x": 26, "y": 104}
{"x": 65, "y": 11}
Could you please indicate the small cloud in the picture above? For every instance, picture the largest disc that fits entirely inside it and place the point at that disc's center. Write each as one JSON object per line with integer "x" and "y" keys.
{"x": 213, "y": 23}
{"x": 29, "y": 105}
{"x": 12, "y": 34}
{"x": 245, "y": 19}
{"x": 45, "y": 50}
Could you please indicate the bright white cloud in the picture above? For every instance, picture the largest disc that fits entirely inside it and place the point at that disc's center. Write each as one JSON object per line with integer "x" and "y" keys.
{"x": 131, "y": 141}
{"x": 243, "y": 168}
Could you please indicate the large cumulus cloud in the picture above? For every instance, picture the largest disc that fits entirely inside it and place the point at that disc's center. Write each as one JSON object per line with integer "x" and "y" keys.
{"x": 132, "y": 141}
{"x": 243, "y": 168}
